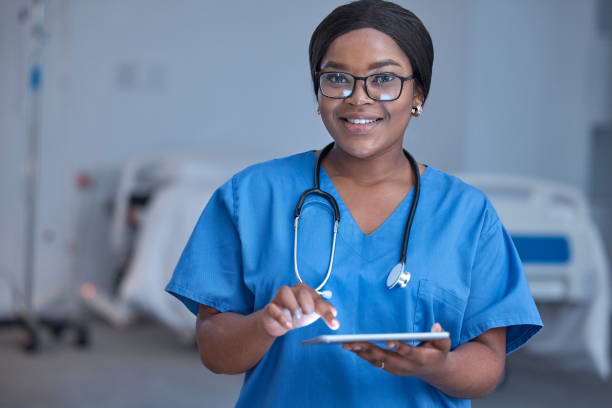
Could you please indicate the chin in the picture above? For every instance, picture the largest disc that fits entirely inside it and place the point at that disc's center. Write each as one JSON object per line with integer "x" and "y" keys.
{"x": 360, "y": 149}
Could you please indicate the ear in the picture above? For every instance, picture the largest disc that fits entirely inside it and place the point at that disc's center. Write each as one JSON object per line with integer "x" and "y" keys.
{"x": 417, "y": 98}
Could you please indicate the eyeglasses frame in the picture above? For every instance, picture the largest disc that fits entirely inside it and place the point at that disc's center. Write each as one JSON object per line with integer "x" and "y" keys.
{"x": 365, "y": 84}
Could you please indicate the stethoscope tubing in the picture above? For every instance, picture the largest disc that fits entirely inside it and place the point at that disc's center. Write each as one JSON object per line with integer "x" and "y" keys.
{"x": 332, "y": 201}
{"x": 413, "y": 207}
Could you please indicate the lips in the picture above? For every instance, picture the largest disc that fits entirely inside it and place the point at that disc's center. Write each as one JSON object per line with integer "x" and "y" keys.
{"x": 360, "y": 124}
{"x": 359, "y": 117}
{"x": 361, "y": 121}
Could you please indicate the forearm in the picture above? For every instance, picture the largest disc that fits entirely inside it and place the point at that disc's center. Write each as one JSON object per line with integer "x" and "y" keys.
{"x": 472, "y": 370}
{"x": 232, "y": 343}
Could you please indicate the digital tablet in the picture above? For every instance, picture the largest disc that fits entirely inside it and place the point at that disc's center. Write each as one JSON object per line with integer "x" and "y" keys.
{"x": 344, "y": 338}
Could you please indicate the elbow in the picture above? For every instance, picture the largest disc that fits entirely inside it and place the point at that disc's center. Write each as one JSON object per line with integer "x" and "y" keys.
{"x": 492, "y": 385}
{"x": 217, "y": 369}
{"x": 208, "y": 356}
{"x": 483, "y": 392}
{"x": 479, "y": 388}
{"x": 214, "y": 369}
{"x": 216, "y": 366}
{"x": 496, "y": 382}
{"x": 473, "y": 393}
{"x": 212, "y": 365}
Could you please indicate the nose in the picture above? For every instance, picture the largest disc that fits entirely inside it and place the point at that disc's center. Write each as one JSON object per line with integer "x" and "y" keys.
{"x": 359, "y": 96}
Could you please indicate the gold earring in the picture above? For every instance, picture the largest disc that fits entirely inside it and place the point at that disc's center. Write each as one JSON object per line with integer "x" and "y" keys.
{"x": 417, "y": 110}
{"x": 318, "y": 110}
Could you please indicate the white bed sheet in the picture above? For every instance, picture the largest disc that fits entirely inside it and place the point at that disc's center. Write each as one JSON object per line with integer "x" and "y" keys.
{"x": 166, "y": 226}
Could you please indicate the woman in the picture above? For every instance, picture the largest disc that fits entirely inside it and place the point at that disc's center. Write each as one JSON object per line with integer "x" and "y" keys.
{"x": 371, "y": 65}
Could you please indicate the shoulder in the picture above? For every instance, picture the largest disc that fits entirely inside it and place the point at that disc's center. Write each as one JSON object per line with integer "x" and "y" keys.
{"x": 259, "y": 185}
{"x": 276, "y": 170}
{"x": 452, "y": 193}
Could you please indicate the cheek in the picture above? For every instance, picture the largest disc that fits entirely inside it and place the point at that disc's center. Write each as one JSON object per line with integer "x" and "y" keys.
{"x": 400, "y": 115}
{"x": 327, "y": 108}
{"x": 401, "y": 112}
{"x": 404, "y": 105}
{"x": 327, "y": 117}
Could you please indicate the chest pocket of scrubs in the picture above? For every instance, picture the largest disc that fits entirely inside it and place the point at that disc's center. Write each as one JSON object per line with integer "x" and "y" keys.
{"x": 436, "y": 304}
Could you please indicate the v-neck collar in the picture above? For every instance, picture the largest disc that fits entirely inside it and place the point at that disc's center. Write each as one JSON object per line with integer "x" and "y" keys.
{"x": 386, "y": 237}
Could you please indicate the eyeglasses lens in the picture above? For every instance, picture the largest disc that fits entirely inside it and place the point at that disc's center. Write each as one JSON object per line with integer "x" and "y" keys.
{"x": 380, "y": 87}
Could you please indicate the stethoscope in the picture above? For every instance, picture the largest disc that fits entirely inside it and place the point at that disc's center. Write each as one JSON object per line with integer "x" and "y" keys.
{"x": 398, "y": 276}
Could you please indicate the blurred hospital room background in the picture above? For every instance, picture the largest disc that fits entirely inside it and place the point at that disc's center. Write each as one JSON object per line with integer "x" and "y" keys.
{"x": 119, "y": 118}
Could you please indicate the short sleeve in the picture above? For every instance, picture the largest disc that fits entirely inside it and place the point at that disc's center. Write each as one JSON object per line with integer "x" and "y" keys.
{"x": 499, "y": 294}
{"x": 209, "y": 271}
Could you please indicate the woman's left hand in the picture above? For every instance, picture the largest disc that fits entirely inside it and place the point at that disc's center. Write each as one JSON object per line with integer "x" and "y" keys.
{"x": 404, "y": 359}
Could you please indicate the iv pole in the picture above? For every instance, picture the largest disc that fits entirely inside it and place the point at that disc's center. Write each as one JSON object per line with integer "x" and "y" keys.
{"x": 25, "y": 317}
{"x": 31, "y": 168}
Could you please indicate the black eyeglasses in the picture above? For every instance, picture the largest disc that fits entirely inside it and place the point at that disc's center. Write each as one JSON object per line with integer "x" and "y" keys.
{"x": 383, "y": 87}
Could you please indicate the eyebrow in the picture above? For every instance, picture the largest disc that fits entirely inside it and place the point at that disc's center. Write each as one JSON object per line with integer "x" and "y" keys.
{"x": 375, "y": 65}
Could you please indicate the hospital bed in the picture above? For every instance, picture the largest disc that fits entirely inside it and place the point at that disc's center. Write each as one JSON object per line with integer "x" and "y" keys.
{"x": 157, "y": 204}
{"x": 564, "y": 261}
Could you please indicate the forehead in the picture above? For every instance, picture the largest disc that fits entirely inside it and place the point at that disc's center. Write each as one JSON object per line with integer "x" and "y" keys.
{"x": 359, "y": 49}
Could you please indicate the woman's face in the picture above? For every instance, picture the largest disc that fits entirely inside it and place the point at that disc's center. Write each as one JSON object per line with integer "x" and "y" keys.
{"x": 361, "y": 53}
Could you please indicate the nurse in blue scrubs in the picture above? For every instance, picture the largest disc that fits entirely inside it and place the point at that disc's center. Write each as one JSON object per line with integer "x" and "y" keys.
{"x": 371, "y": 64}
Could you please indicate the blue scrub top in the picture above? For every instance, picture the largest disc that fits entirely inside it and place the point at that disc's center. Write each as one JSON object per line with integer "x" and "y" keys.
{"x": 466, "y": 275}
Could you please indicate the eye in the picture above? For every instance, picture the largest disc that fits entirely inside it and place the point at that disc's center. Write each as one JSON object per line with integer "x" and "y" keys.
{"x": 336, "y": 78}
{"x": 383, "y": 79}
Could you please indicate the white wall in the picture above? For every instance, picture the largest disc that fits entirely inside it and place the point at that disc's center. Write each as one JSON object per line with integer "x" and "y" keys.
{"x": 124, "y": 79}
{"x": 200, "y": 78}
{"x": 528, "y": 102}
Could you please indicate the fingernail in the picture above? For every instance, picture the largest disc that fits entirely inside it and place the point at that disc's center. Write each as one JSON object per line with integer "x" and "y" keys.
{"x": 335, "y": 324}
{"x": 297, "y": 314}
{"x": 334, "y": 312}
{"x": 356, "y": 348}
{"x": 393, "y": 345}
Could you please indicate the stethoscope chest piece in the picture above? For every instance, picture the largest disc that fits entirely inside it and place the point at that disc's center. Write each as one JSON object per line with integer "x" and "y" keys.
{"x": 398, "y": 276}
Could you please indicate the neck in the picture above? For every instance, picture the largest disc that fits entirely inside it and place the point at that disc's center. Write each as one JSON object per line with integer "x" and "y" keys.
{"x": 390, "y": 164}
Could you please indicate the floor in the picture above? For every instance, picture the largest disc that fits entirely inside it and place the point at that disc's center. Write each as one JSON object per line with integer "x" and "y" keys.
{"x": 146, "y": 365}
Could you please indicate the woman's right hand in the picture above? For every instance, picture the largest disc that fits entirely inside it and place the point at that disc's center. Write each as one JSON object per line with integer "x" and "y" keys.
{"x": 294, "y": 307}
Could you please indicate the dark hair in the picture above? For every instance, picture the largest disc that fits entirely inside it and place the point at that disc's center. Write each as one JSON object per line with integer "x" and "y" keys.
{"x": 398, "y": 23}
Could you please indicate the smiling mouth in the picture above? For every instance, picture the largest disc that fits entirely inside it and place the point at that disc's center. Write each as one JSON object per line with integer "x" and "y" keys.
{"x": 360, "y": 126}
{"x": 361, "y": 121}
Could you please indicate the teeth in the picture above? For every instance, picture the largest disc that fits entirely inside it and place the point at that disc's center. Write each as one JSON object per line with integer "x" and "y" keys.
{"x": 361, "y": 121}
